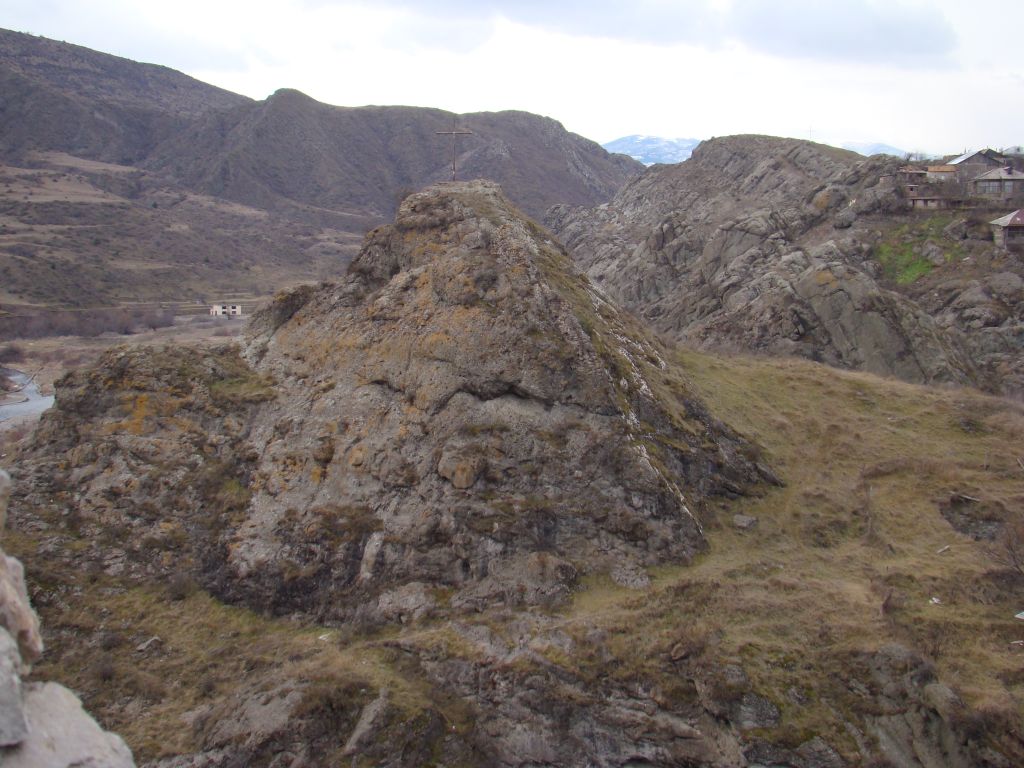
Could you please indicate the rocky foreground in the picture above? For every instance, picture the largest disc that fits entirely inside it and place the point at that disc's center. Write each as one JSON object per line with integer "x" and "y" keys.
{"x": 42, "y": 725}
{"x": 469, "y": 513}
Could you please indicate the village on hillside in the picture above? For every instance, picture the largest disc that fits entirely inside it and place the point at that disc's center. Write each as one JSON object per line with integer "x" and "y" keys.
{"x": 982, "y": 180}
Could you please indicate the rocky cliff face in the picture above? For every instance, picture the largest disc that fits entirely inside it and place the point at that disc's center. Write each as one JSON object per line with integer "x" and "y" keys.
{"x": 744, "y": 246}
{"x": 41, "y": 724}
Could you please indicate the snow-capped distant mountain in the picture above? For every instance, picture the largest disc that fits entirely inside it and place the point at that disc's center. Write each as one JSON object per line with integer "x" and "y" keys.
{"x": 653, "y": 149}
{"x": 868, "y": 148}
{"x": 657, "y": 149}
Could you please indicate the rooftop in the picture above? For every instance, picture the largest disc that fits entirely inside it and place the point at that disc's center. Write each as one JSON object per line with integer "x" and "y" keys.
{"x": 1000, "y": 173}
{"x": 1015, "y": 219}
{"x": 990, "y": 153}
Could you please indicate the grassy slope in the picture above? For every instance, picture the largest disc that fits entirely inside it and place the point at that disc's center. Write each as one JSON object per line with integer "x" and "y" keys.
{"x": 900, "y": 263}
{"x": 866, "y": 462}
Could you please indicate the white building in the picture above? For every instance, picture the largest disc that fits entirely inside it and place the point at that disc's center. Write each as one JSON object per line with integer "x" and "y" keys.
{"x": 232, "y": 310}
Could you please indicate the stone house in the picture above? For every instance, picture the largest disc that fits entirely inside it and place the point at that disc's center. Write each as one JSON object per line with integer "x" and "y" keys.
{"x": 230, "y": 310}
{"x": 970, "y": 165}
{"x": 911, "y": 174}
{"x": 921, "y": 201}
{"x": 911, "y": 178}
{"x": 1002, "y": 183}
{"x": 1008, "y": 231}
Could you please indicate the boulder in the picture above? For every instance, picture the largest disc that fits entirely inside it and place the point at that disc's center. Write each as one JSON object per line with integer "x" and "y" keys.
{"x": 13, "y": 728}
{"x": 42, "y": 725}
{"x": 63, "y": 735}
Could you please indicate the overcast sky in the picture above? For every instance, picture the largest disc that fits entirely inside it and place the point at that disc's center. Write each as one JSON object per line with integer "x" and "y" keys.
{"x": 937, "y": 76}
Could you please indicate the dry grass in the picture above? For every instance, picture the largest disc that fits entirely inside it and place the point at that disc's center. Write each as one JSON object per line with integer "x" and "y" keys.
{"x": 857, "y": 525}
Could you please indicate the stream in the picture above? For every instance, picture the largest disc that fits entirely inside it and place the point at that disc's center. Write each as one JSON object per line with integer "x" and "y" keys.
{"x": 25, "y": 402}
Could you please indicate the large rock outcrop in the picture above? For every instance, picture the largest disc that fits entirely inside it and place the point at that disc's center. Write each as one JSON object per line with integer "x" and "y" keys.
{"x": 742, "y": 246}
{"x": 463, "y": 421}
{"x": 42, "y": 725}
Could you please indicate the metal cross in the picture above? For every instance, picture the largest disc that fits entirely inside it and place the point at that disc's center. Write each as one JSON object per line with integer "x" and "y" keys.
{"x": 453, "y": 133}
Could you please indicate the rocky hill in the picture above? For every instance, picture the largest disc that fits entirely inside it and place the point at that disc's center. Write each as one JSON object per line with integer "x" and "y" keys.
{"x": 786, "y": 246}
{"x": 419, "y": 436}
{"x": 457, "y": 507}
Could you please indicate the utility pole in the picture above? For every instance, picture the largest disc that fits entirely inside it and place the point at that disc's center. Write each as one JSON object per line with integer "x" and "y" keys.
{"x": 454, "y": 133}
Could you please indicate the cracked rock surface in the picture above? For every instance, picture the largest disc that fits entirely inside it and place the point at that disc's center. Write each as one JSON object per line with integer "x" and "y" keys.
{"x": 748, "y": 245}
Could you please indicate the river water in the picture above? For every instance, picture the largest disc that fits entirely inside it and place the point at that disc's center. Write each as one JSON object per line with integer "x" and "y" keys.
{"x": 26, "y": 402}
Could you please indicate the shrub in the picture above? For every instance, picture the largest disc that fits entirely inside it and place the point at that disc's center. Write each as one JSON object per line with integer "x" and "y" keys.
{"x": 89, "y": 322}
{"x": 1008, "y": 550}
{"x": 180, "y": 587}
{"x": 11, "y": 353}
{"x": 104, "y": 670}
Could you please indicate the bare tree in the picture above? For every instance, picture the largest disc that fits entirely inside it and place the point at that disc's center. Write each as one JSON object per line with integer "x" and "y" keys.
{"x": 1008, "y": 548}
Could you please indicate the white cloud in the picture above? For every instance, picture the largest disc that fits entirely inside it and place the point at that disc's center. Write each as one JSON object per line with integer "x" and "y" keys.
{"x": 863, "y": 31}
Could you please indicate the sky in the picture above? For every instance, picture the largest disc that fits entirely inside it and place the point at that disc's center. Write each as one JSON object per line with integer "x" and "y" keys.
{"x": 938, "y": 77}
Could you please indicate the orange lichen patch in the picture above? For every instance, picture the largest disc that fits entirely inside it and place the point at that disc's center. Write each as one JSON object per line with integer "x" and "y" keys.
{"x": 825, "y": 277}
{"x": 138, "y": 411}
{"x": 356, "y": 455}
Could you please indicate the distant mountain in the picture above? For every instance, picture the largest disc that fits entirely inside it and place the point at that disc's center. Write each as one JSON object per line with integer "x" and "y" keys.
{"x": 58, "y": 96}
{"x": 653, "y": 149}
{"x": 292, "y": 149}
{"x": 868, "y": 149}
{"x": 163, "y": 187}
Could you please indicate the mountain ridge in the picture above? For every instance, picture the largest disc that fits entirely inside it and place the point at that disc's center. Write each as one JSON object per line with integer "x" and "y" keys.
{"x": 291, "y": 146}
{"x": 177, "y": 156}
